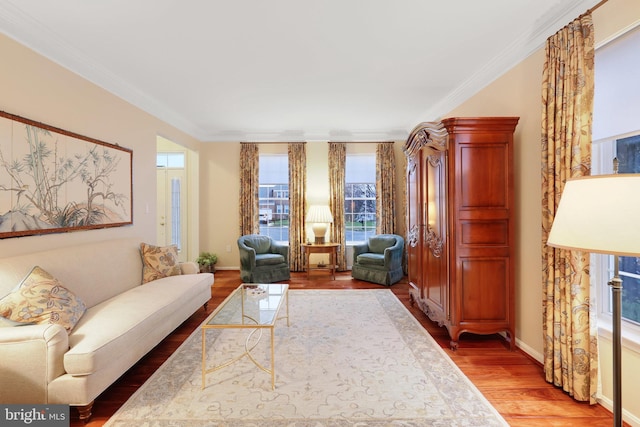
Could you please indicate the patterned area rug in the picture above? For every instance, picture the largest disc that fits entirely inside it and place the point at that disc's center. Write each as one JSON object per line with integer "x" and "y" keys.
{"x": 349, "y": 358}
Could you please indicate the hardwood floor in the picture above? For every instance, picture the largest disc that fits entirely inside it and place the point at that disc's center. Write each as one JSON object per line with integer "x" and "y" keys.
{"x": 511, "y": 381}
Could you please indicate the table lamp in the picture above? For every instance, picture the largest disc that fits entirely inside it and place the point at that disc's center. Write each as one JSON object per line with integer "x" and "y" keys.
{"x": 320, "y": 216}
{"x": 600, "y": 214}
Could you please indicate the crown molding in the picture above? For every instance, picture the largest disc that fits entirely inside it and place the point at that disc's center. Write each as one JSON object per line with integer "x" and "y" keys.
{"x": 517, "y": 51}
{"x": 29, "y": 32}
{"x": 318, "y": 135}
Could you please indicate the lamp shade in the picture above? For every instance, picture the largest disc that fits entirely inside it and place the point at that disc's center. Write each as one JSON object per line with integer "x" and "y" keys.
{"x": 319, "y": 214}
{"x": 600, "y": 214}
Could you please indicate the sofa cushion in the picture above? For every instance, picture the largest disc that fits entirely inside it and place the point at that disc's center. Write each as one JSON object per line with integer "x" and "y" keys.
{"x": 378, "y": 244}
{"x": 159, "y": 262}
{"x": 261, "y": 244}
{"x": 131, "y": 323}
{"x": 370, "y": 258}
{"x": 40, "y": 298}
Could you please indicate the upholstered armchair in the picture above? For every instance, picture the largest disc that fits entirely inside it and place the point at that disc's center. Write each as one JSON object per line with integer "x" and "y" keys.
{"x": 262, "y": 259}
{"x": 379, "y": 260}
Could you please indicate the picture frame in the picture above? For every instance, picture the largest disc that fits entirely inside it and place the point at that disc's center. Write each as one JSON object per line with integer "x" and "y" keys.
{"x": 55, "y": 181}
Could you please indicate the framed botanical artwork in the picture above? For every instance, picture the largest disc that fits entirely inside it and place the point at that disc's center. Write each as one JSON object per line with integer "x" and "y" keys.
{"x": 53, "y": 181}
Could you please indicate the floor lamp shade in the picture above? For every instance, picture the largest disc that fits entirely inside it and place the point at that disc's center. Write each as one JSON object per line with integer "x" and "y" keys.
{"x": 600, "y": 214}
{"x": 320, "y": 217}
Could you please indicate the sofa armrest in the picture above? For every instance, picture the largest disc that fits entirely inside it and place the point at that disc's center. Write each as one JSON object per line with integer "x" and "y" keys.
{"x": 189, "y": 267}
{"x": 281, "y": 249}
{"x": 358, "y": 249}
{"x": 393, "y": 254}
{"x": 247, "y": 256}
{"x": 32, "y": 357}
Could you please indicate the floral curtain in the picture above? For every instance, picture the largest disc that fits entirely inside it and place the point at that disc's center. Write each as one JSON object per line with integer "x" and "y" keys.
{"x": 337, "y": 161}
{"x": 249, "y": 186}
{"x": 570, "y": 345}
{"x": 297, "y": 195}
{"x": 385, "y": 188}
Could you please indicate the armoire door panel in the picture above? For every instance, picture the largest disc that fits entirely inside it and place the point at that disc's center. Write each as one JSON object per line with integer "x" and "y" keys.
{"x": 484, "y": 233}
{"x": 487, "y": 189}
{"x": 414, "y": 224}
{"x": 484, "y": 290}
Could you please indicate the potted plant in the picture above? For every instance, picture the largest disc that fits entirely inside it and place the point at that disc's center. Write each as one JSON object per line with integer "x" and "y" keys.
{"x": 207, "y": 262}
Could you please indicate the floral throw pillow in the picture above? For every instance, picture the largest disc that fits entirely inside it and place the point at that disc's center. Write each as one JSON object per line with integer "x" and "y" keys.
{"x": 40, "y": 298}
{"x": 159, "y": 262}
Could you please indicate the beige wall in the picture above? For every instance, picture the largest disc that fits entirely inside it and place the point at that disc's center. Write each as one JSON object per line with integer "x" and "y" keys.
{"x": 38, "y": 89}
{"x": 517, "y": 93}
{"x": 220, "y": 185}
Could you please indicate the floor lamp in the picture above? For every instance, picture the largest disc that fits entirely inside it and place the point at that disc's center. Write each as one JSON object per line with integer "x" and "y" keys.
{"x": 600, "y": 214}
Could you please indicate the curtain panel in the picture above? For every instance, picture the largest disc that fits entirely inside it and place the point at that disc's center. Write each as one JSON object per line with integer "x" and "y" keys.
{"x": 297, "y": 152}
{"x": 337, "y": 162}
{"x": 385, "y": 188}
{"x": 249, "y": 187}
{"x": 570, "y": 344}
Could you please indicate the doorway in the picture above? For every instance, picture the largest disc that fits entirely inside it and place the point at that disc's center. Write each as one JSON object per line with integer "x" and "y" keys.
{"x": 174, "y": 224}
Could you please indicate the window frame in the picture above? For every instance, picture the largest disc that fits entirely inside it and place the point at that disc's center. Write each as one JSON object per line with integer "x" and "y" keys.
{"x": 603, "y": 152}
{"x": 349, "y": 216}
{"x": 280, "y": 204}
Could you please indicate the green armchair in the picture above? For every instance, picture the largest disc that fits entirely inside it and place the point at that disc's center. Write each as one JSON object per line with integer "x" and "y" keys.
{"x": 379, "y": 260}
{"x": 262, "y": 259}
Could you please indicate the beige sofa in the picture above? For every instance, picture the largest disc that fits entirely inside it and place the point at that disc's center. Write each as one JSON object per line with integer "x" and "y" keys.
{"x": 124, "y": 320}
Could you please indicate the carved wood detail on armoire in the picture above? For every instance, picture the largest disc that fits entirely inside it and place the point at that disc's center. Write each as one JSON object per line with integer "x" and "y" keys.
{"x": 460, "y": 224}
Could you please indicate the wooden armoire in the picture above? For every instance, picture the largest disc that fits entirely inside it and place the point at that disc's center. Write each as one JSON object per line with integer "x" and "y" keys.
{"x": 460, "y": 230}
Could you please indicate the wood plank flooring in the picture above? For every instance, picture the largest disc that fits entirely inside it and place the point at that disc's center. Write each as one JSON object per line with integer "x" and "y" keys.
{"x": 511, "y": 381}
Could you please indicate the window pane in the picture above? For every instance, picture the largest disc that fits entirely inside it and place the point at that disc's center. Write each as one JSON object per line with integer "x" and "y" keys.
{"x": 360, "y": 197}
{"x": 273, "y": 196}
{"x": 176, "y": 226}
{"x": 628, "y": 155}
{"x": 170, "y": 160}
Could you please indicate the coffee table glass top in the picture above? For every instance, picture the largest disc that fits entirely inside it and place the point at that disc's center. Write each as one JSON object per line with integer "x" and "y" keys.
{"x": 254, "y": 305}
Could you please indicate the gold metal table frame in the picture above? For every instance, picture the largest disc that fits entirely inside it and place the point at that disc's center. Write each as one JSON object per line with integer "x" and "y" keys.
{"x": 250, "y": 306}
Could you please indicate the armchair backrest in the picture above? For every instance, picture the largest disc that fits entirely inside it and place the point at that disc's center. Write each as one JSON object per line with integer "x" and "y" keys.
{"x": 261, "y": 244}
{"x": 380, "y": 242}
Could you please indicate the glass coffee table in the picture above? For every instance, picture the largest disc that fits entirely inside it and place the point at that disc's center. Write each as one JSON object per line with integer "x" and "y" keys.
{"x": 250, "y": 306}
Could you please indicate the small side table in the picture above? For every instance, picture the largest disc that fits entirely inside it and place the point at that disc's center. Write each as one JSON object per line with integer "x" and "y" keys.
{"x": 321, "y": 248}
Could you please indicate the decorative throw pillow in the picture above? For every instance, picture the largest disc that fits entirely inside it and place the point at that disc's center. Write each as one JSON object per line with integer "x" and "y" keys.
{"x": 40, "y": 298}
{"x": 159, "y": 262}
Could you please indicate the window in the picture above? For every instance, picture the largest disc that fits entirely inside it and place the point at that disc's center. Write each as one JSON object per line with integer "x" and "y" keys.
{"x": 171, "y": 171}
{"x": 616, "y": 134}
{"x": 170, "y": 160}
{"x": 627, "y": 152}
{"x": 360, "y": 197}
{"x": 273, "y": 196}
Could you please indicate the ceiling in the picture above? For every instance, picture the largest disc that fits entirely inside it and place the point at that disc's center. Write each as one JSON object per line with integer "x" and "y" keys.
{"x": 283, "y": 70}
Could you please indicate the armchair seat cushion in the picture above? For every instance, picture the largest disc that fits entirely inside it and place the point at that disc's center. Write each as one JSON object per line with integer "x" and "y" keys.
{"x": 269, "y": 259}
{"x": 370, "y": 258}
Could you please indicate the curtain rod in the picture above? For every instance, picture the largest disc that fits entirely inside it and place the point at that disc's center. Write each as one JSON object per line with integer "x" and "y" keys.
{"x": 273, "y": 142}
{"x": 361, "y": 142}
{"x": 594, "y": 8}
{"x": 304, "y": 142}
